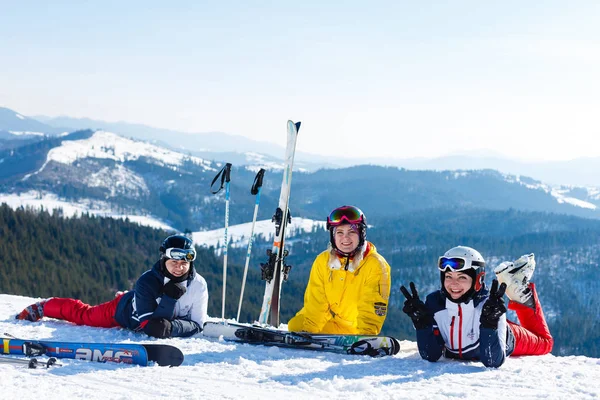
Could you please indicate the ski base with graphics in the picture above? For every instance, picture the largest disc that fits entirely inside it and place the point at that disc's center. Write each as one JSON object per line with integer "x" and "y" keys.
{"x": 371, "y": 345}
{"x": 139, "y": 354}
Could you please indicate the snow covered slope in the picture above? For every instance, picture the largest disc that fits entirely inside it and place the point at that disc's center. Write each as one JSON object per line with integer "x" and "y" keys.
{"x": 238, "y": 235}
{"x": 216, "y": 369}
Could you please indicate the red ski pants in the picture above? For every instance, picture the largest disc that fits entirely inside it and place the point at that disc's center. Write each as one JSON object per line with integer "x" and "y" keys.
{"x": 532, "y": 336}
{"x": 101, "y": 316}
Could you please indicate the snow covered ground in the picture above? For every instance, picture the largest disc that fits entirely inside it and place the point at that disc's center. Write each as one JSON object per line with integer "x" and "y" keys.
{"x": 215, "y": 369}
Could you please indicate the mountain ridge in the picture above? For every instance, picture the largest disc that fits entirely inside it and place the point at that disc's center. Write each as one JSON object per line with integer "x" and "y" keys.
{"x": 580, "y": 171}
{"x": 220, "y": 145}
{"x": 143, "y": 179}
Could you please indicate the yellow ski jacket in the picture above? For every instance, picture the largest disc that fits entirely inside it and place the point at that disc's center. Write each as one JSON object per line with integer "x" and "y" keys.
{"x": 345, "y": 296}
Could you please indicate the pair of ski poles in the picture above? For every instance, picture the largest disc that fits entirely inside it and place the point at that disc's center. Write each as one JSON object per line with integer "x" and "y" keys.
{"x": 225, "y": 175}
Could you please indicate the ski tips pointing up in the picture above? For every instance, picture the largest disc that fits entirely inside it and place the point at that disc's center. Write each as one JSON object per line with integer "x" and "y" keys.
{"x": 295, "y": 124}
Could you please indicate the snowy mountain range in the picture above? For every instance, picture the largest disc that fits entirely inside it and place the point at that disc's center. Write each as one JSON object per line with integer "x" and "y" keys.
{"x": 107, "y": 174}
{"x": 219, "y": 369}
{"x": 240, "y": 150}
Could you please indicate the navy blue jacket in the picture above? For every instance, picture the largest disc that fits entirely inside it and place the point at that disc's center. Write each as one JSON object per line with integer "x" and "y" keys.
{"x": 146, "y": 301}
{"x": 456, "y": 332}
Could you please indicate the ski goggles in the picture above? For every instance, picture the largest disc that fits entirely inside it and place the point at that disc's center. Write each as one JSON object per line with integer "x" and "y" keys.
{"x": 349, "y": 214}
{"x": 457, "y": 264}
{"x": 180, "y": 254}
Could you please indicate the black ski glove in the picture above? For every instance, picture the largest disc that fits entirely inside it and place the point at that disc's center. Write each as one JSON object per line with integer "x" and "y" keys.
{"x": 175, "y": 289}
{"x": 158, "y": 328}
{"x": 415, "y": 308}
{"x": 494, "y": 307}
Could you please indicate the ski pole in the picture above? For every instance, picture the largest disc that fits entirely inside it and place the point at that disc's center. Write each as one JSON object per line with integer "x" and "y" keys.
{"x": 225, "y": 178}
{"x": 255, "y": 190}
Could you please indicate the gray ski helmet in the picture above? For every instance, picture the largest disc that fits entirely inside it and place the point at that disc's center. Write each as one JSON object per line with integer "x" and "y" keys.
{"x": 178, "y": 242}
{"x": 347, "y": 215}
{"x": 463, "y": 259}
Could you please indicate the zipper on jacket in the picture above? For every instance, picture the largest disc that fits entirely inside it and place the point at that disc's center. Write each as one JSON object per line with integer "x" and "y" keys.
{"x": 452, "y": 334}
{"x": 460, "y": 324}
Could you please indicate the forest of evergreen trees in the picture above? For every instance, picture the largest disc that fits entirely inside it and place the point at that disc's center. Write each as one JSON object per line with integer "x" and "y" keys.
{"x": 43, "y": 254}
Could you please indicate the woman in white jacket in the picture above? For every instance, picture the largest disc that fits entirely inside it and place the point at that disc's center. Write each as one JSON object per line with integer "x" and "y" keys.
{"x": 463, "y": 320}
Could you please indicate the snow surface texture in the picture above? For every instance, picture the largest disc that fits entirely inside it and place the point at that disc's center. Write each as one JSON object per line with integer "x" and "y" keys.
{"x": 215, "y": 369}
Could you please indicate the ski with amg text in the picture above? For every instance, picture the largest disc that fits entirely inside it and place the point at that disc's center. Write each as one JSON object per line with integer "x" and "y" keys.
{"x": 125, "y": 353}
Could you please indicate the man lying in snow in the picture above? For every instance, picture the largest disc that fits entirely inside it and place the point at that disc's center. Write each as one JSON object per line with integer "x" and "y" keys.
{"x": 169, "y": 300}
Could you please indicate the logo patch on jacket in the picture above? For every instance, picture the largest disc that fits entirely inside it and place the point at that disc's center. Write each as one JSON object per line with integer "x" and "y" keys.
{"x": 380, "y": 309}
{"x": 471, "y": 335}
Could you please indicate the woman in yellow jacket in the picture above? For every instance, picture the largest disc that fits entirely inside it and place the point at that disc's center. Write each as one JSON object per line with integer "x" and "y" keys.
{"x": 349, "y": 284}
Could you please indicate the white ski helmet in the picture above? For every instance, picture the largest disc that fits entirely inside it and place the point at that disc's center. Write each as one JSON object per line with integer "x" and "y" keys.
{"x": 463, "y": 259}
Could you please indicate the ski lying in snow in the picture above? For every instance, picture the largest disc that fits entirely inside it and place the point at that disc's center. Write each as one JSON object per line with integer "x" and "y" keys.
{"x": 139, "y": 354}
{"x": 371, "y": 345}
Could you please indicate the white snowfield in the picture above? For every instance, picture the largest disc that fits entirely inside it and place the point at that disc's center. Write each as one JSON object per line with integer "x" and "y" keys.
{"x": 50, "y": 202}
{"x": 215, "y": 369}
{"x": 239, "y": 235}
{"x": 111, "y": 146}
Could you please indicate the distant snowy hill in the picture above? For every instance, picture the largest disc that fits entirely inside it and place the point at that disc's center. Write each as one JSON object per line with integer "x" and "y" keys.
{"x": 579, "y": 172}
{"x": 50, "y": 202}
{"x": 15, "y": 127}
{"x": 216, "y": 369}
{"x": 107, "y": 174}
{"x": 239, "y": 235}
{"x": 236, "y": 149}
{"x": 20, "y": 125}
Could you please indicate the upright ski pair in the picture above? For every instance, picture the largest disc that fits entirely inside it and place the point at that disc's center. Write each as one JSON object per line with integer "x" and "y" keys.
{"x": 275, "y": 270}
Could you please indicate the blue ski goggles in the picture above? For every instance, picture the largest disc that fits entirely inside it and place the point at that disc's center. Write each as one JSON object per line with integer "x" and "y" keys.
{"x": 458, "y": 264}
{"x": 180, "y": 254}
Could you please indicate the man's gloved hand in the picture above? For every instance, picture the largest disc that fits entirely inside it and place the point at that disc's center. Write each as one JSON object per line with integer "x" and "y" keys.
{"x": 158, "y": 328}
{"x": 175, "y": 289}
{"x": 494, "y": 307}
{"x": 415, "y": 308}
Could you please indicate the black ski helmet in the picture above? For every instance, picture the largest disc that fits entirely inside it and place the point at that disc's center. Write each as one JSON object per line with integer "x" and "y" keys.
{"x": 177, "y": 247}
{"x": 178, "y": 242}
{"x": 347, "y": 215}
{"x": 467, "y": 260}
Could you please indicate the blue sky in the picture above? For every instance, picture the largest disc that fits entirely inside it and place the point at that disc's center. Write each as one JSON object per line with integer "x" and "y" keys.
{"x": 389, "y": 78}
